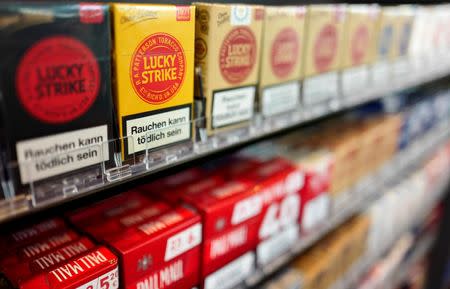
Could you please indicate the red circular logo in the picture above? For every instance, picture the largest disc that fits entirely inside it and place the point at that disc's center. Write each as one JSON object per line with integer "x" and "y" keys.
{"x": 58, "y": 79}
{"x": 285, "y": 51}
{"x": 237, "y": 55}
{"x": 325, "y": 48}
{"x": 359, "y": 43}
{"x": 157, "y": 68}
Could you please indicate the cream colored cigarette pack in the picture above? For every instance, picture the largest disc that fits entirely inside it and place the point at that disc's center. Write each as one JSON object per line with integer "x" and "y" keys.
{"x": 323, "y": 50}
{"x": 386, "y": 34}
{"x": 359, "y": 40}
{"x": 281, "y": 60}
{"x": 325, "y": 32}
{"x": 228, "y": 47}
{"x": 404, "y": 26}
{"x": 359, "y": 48}
{"x": 153, "y": 70}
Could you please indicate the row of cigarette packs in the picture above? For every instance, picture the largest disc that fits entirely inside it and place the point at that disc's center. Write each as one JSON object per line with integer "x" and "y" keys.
{"x": 371, "y": 233}
{"x": 163, "y": 244}
{"x": 210, "y": 225}
{"x": 58, "y": 113}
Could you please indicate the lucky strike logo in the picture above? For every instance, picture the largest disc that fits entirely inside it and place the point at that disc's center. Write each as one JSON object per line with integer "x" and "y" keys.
{"x": 325, "y": 48}
{"x": 285, "y": 52}
{"x": 157, "y": 68}
{"x": 359, "y": 43}
{"x": 57, "y": 79}
{"x": 237, "y": 55}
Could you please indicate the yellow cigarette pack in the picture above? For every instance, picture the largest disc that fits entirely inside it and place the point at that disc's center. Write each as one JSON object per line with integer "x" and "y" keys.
{"x": 227, "y": 44}
{"x": 153, "y": 70}
{"x": 281, "y": 61}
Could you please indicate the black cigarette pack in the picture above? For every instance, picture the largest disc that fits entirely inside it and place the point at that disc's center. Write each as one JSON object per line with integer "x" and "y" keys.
{"x": 55, "y": 83}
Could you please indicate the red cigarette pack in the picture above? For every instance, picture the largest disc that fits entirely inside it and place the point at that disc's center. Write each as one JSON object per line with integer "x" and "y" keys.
{"x": 94, "y": 269}
{"x": 158, "y": 245}
{"x": 111, "y": 208}
{"x": 52, "y": 259}
{"x": 28, "y": 234}
{"x": 278, "y": 184}
{"x": 230, "y": 210}
{"x": 105, "y": 229}
{"x": 315, "y": 196}
{"x": 37, "y": 248}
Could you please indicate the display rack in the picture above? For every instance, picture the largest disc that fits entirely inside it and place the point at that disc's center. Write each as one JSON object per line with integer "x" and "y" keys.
{"x": 38, "y": 195}
{"x": 358, "y": 199}
{"x": 394, "y": 277}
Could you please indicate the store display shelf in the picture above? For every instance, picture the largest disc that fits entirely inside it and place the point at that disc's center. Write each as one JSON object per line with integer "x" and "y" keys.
{"x": 39, "y": 195}
{"x": 400, "y": 273}
{"x": 358, "y": 199}
{"x": 397, "y": 273}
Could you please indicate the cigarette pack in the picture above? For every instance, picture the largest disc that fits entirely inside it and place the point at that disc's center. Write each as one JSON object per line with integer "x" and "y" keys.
{"x": 323, "y": 50}
{"x": 358, "y": 48}
{"x": 27, "y": 269}
{"x": 95, "y": 268}
{"x": 281, "y": 59}
{"x": 278, "y": 184}
{"x": 227, "y": 45}
{"x": 57, "y": 103}
{"x": 154, "y": 70}
{"x": 230, "y": 213}
{"x": 158, "y": 245}
{"x": 27, "y": 234}
{"x": 38, "y": 247}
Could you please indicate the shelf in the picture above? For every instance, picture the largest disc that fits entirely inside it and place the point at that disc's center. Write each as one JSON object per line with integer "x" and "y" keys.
{"x": 105, "y": 176}
{"x": 358, "y": 199}
{"x": 394, "y": 277}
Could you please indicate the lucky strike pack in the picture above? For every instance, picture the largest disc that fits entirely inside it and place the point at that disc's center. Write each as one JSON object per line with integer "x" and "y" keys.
{"x": 158, "y": 245}
{"x": 358, "y": 47}
{"x": 323, "y": 50}
{"x": 57, "y": 103}
{"x": 281, "y": 59}
{"x": 154, "y": 70}
{"x": 227, "y": 51}
{"x": 277, "y": 187}
{"x": 359, "y": 34}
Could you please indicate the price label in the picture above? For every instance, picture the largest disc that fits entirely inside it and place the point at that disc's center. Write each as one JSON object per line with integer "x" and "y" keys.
{"x": 280, "y": 215}
{"x": 109, "y": 280}
{"x": 315, "y": 212}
